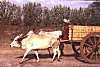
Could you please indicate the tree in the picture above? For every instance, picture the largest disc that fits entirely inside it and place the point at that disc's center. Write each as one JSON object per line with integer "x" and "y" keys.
{"x": 32, "y": 13}
{"x": 94, "y": 9}
{"x": 58, "y": 13}
{"x": 46, "y": 17}
{"x": 9, "y": 13}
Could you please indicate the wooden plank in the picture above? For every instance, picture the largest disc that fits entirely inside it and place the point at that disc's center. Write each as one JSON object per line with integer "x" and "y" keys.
{"x": 81, "y": 31}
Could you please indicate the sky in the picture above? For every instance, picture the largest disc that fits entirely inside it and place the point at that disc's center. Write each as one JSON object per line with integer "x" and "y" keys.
{"x": 50, "y": 3}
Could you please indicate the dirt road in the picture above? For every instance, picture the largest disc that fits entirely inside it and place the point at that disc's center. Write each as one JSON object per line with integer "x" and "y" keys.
{"x": 10, "y": 57}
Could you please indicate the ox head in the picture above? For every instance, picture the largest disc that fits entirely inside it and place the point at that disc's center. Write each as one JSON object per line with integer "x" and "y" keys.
{"x": 17, "y": 41}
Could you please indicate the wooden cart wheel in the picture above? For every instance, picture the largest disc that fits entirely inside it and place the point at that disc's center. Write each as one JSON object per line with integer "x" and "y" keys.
{"x": 90, "y": 48}
{"x": 76, "y": 47}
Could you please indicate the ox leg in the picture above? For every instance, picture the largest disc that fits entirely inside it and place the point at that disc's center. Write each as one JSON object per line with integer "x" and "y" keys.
{"x": 36, "y": 52}
{"x": 54, "y": 51}
{"x": 27, "y": 51}
{"x": 48, "y": 50}
{"x": 58, "y": 51}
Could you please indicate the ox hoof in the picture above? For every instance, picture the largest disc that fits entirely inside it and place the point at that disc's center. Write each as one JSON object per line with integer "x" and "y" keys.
{"x": 58, "y": 60}
{"x": 37, "y": 61}
{"x": 21, "y": 62}
{"x": 52, "y": 61}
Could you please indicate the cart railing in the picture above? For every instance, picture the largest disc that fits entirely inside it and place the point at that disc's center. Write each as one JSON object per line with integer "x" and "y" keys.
{"x": 78, "y": 32}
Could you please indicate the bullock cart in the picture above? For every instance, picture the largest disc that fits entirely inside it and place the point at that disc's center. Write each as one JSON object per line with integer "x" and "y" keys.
{"x": 85, "y": 41}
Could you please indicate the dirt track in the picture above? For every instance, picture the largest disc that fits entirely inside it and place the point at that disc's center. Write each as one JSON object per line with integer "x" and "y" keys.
{"x": 10, "y": 57}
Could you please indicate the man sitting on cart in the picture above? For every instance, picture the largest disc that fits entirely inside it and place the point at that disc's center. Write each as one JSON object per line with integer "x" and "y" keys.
{"x": 65, "y": 32}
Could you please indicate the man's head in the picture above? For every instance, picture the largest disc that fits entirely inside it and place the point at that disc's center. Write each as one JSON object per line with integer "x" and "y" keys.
{"x": 66, "y": 19}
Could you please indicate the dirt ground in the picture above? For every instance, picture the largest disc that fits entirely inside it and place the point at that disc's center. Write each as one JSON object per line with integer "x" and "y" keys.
{"x": 10, "y": 57}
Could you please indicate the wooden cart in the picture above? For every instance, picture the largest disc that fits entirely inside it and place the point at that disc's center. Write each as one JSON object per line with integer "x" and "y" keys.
{"x": 85, "y": 41}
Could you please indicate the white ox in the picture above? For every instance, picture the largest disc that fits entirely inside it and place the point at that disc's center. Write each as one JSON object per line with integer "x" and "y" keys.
{"x": 35, "y": 42}
{"x": 55, "y": 34}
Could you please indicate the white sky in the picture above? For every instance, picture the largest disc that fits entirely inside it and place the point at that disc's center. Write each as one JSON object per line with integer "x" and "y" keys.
{"x": 51, "y": 3}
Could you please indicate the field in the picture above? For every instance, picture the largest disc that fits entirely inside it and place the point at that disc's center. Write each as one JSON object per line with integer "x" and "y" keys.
{"x": 10, "y": 57}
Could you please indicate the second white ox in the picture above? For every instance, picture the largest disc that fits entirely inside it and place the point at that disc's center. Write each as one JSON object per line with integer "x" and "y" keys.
{"x": 36, "y": 42}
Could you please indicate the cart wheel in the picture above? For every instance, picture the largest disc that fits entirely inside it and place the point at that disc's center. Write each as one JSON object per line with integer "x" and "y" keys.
{"x": 76, "y": 47}
{"x": 90, "y": 48}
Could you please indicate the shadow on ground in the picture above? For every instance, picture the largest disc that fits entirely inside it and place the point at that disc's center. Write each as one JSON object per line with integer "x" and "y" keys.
{"x": 44, "y": 56}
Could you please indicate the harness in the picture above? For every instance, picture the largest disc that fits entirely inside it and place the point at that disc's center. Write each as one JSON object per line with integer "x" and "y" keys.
{"x": 19, "y": 42}
{"x": 20, "y": 39}
{"x": 56, "y": 44}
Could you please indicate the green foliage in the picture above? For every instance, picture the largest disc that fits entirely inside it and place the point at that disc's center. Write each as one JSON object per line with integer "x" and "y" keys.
{"x": 9, "y": 13}
{"x": 32, "y": 14}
